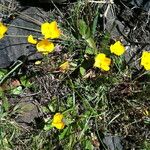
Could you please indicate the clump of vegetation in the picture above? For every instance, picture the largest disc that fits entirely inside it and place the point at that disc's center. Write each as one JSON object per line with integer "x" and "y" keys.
{"x": 81, "y": 91}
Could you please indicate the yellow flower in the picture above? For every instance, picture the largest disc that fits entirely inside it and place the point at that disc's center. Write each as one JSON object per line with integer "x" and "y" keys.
{"x": 38, "y": 62}
{"x": 31, "y": 40}
{"x": 65, "y": 66}
{"x": 102, "y": 62}
{"x": 50, "y": 30}
{"x": 3, "y": 30}
{"x": 45, "y": 47}
{"x": 145, "y": 60}
{"x": 146, "y": 112}
{"x": 58, "y": 121}
{"x": 117, "y": 48}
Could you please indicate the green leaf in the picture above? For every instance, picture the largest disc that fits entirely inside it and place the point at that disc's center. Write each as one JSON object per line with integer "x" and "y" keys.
{"x": 48, "y": 127}
{"x": 17, "y": 91}
{"x": 95, "y": 21}
{"x": 82, "y": 71}
{"x": 64, "y": 133}
{"x": 45, "y": 109}
{"x": 89, "y": 51}
{"x": 25, "y": 81}
{"x": 119, "y": 63}
{"x": 1, "y": 92}
{"x": 5, "y": 103}
{"x": 105, "y": 44}
{"x": 6, "y": 143}
{"x": 2, "y": 73}
{"x": 84, "y": 29}
{"x": 92, "y": 44}
{"x": 51, "y": 108}
{"x": 88, "y": 145}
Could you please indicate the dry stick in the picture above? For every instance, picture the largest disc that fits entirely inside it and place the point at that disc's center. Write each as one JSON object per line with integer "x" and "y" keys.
{"x": 140, "y": 75}
{"x": 26, "y": 28}
{"x": 102, "y": 2}
{"x": 17, "y": 36}
{"x": 29, "y": 18}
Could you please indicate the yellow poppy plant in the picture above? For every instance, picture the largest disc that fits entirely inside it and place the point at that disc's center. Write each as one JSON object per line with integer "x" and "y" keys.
{"x": 102, "y": 62}
{"x": 145, "y": 60}
{"x": 50, "y": 30}
{"x": 65, "y": 66}
{"x": 117, "y": 48}
{"x": 58, "y": 121}
{"x": 45, "y": 47}
{"x": 3, "y": 30}
{"x": 31, "y": 40}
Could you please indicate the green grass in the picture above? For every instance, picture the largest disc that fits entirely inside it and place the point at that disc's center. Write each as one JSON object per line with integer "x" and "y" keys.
{"x": 94, "y": 103}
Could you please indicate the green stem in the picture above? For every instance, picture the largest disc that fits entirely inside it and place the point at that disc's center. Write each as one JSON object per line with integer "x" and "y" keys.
{"x": 11, "y": 71}
{"x": 92, "y": 44}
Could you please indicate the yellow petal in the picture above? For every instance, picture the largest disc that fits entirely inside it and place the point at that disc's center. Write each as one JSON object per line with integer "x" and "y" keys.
{"x": 145, "y": 60}
{"x": 58, "y": 121}
{"x": 145, "y": 57}
{"x": 117, "y": 48}
{"x": 3, "y": 30}
{"x": 107, "y": 61}
{"x": 45, "y": 28}
{"x": 31, "y": 40}
{"x": 55, "y": 31}
{"x": 105, "y": 67}
{"x": 146, "y": 112}
{"x": 102, "y": 62}
{"x": 147, "y": 66}
{"x": 50, "y": 30}
{"x": 58, "y": 117}
{"x": 100, "y": 57}
{"x": 45, "y": 47}
{"x": 60, "y": 125}
{"x": 65, "y": 66}
{"x": 38, "y": 62}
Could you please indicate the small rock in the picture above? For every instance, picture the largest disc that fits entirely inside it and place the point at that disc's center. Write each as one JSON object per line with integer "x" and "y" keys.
{"x": 27, "y": 112}
{"x": 11, "y": 48}
{"x": 113, "y": 142}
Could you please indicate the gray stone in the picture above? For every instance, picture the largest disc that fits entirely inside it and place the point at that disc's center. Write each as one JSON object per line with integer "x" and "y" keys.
{"x": 143, "y": 4}
{"x": 111, "y": 23}
{"x": 11, "y": 48}
{"x": 113, "y": 142}
{"x": 27, "y": 112}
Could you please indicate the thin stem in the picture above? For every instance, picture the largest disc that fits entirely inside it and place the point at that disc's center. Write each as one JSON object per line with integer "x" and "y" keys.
{"x": 10, "y": 72}
{"x": 17, "y": 36}
{"x": 101, "y": 2}
{"x": 141, "y": 75}
{"x": 26, "y": 28}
